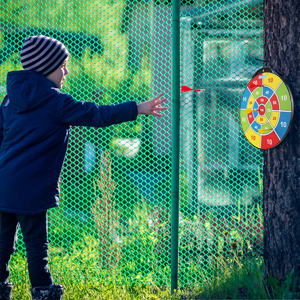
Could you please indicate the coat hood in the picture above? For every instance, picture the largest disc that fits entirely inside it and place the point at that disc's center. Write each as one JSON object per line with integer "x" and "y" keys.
{"x": 28, "y": 89}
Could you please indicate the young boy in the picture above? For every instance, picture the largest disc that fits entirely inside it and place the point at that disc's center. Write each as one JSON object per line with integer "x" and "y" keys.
{"x": 35, "y": 119}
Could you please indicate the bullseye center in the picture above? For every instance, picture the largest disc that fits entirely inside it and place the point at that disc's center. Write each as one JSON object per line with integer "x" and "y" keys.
{"x": 261, "y": 110}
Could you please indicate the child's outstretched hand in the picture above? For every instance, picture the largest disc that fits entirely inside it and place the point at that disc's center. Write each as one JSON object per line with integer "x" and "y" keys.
{"x": 152, "y": 106}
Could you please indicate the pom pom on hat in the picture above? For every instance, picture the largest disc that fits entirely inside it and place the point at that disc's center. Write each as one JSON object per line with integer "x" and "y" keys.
{"x": 43, "y": 54}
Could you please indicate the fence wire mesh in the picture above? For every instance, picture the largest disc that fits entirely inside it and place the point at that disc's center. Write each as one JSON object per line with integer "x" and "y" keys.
{"x": 114, "y": 218}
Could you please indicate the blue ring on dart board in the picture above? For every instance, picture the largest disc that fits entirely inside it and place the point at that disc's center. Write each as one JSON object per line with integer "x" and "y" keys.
{"x": 267, "y": 109}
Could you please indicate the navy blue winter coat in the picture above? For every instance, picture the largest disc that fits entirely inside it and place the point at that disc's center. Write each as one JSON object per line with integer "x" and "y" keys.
{"x": 35, "y": 120}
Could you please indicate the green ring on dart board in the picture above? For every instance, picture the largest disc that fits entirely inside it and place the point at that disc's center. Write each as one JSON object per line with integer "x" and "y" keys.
{"x": 267, "y": 109}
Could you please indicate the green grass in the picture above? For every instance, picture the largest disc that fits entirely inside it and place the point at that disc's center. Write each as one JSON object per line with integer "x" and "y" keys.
{"x": 75, "y": 261}
{"x": 230, "y": 279}
{"x": 77, "y": 266}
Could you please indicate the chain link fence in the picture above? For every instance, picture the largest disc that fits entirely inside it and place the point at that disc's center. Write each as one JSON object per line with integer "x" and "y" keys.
{"x": 114, "y": 218}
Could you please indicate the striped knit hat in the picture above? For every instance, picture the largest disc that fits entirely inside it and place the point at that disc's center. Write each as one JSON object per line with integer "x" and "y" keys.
{"x": 43, "y": 54}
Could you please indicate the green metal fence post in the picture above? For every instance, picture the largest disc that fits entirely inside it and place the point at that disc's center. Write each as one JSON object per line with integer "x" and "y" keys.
{"x": 175, "y": 141}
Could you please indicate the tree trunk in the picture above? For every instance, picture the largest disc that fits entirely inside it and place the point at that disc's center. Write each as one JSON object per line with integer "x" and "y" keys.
{"x": 281, "y": 173}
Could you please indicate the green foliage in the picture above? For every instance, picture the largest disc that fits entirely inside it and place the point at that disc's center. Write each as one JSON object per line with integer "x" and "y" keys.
{"x": 163, "y": 192}
{"x": 139, "y": 248}
{"x": 230, "y": 279}
{"x": 66, "y": 229}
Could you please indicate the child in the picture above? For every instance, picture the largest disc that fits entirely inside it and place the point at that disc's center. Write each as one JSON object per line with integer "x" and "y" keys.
{"x": 35, "y": 119}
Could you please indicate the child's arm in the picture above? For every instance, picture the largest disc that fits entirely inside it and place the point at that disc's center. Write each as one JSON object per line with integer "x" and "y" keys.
{"x": 1, "y": 123}
{"x": 89, "y": 114}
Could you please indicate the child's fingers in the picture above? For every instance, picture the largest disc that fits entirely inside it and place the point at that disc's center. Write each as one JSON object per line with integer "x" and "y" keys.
{"x": 156, "y": 109}
{"x": 157, "y": 97}
{"x": 158, "y": 102}
{"x": 157, "y": 114}
{"x": 160, "y": 108}
{"x": 162, "y": 100}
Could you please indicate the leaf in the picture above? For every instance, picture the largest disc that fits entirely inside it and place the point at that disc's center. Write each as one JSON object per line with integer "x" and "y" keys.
{"x": 273, "y": 281}
{"x": 110, "y": 286}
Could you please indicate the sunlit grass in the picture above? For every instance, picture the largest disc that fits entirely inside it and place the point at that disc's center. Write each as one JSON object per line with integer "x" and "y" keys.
{"x": 230, "y": 279}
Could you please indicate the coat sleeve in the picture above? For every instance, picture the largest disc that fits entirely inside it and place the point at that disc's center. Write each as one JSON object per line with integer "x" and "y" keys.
{"x": 89, "y": 114}
{"x": 1, "y": 122}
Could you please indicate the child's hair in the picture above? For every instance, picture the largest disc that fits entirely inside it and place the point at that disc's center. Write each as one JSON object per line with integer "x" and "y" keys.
{"x": 43, "y": 54}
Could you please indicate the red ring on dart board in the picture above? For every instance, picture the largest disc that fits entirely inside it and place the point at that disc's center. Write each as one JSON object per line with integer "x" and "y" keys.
{"x": 266, "y": 110}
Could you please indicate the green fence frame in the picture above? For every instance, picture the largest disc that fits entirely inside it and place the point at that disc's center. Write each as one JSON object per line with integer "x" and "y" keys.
{"x": 190, "y": 161}
{"x": 175, "y": 140}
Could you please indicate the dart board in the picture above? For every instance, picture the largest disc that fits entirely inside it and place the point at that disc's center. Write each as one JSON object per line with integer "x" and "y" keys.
{"x": 266, "y": 110}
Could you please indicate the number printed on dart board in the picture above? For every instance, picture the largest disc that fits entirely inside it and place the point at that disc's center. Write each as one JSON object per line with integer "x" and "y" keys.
{"x": 266, "y": 110}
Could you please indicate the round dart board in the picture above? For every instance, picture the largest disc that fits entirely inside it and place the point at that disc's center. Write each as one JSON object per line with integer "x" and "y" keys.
{"x": 266, "y": 110}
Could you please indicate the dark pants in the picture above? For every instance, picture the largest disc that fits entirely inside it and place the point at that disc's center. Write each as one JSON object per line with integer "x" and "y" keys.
{"x": 35, "y": 231}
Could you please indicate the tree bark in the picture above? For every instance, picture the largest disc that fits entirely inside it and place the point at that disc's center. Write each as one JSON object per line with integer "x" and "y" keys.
{"x": 281, "y": 172}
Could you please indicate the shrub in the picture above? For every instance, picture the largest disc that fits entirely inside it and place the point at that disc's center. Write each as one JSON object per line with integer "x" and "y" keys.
{"x": 106, "y": 215}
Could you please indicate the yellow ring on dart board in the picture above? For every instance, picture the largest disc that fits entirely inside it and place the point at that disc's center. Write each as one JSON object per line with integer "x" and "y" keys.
{"x": 267, "y": 109}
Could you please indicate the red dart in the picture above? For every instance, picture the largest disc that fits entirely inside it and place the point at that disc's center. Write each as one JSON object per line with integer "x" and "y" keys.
{"x": 185, "y": 88}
